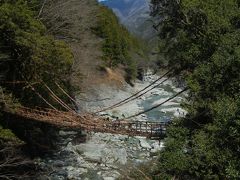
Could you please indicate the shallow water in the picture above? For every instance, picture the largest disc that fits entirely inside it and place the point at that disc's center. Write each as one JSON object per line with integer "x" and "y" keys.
{"x": 157, "y": 115}
{"x": 104, "y": 156}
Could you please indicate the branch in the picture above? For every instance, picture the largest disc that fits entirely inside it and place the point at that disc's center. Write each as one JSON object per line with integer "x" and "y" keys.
{"x": 41, "y": 10}
{"x": 11, "y": 164}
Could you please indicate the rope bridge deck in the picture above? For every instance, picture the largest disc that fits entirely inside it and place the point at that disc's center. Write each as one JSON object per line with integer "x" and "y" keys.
{"x": 90, "y": 122}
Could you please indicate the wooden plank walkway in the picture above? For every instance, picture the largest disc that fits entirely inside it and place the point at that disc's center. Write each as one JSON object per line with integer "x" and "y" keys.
{"x": 89, "y": 122}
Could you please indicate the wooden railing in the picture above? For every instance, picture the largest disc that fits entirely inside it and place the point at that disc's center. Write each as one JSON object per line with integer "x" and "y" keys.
{"x": 93, "y": 123}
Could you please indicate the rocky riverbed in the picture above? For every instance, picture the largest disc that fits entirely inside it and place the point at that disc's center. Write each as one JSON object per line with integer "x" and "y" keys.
{"x": 104, "y": 156}
{"x": 112, "y": 95}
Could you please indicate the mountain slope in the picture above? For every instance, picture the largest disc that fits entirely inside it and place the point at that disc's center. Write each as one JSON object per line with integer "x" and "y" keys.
{"x": 134, "y": 14}
{"x": 71, "y": 22}
{"x": 76, "y": 22}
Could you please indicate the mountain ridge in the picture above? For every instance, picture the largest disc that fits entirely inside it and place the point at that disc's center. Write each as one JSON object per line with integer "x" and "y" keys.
{"x": 135, "y": 15}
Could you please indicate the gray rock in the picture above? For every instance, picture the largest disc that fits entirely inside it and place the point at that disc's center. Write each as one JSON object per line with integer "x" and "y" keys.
{"x": 86, "y": 165}
{"x": 110, "y": 175}
{"x": 58, "y": 178}
{"x": 61, "y": 173}
{"x": 74, "y": 173}
{"x": 157, "y": 147}
{"x": 144, "y": 144}
{"x": 58, "y": 163}
{"x": 67, "y": 133}
{"x": 109, "y": 178}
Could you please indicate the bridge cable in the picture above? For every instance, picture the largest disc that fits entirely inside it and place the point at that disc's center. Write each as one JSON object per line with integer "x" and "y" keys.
{"x": 72, "y": 99}
{"x": 156, "y": 106}
{"x": 41, "y": 9}
{"x": 122, "y": 102}
{"x": 197, "y": 123}
{"x": 13, "y": 82}
{"x": 141, "y": 94}
{"x": 65, "y": 92}
{"x": 40, "y": 96}
{"x": 54, "y": 96}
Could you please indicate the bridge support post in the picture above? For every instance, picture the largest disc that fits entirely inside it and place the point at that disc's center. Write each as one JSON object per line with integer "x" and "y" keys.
{"x": 146, "y": 127}
{"x": 151, "y": 131}
{"x": 137, "y": 126}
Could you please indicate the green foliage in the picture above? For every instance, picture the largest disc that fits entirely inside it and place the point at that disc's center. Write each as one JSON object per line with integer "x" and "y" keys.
{"x": 118, "y": 43}
{"x": 201, "y": 40}
{"x": 7, "y": 135}
{"x": 30, "y": 54}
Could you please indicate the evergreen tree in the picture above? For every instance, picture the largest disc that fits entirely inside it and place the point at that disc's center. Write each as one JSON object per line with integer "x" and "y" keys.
{"x": 200, "y": 39}
{"x": 118, "y": 43}
{"x": 28, "y": 55}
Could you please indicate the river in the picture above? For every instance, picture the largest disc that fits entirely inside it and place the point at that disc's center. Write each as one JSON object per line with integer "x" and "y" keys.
{"x": 107, "y": 156}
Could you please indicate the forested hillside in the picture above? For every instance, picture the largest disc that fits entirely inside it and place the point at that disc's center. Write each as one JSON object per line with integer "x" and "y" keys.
{"x": 53, "y": 50}
{"x": 135, "y": 15}
{"x": 91, "y": 32}
{"x": 200, "y": 39}
{"x": 118, "y": 44}
{"x": 49, "y": 49}
{"x": 30, "y": 60}
{"x": 28, "y": 55}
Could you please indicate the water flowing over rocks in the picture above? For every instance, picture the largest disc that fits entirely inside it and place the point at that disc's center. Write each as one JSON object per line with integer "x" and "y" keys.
{"x": 102, "y": 156}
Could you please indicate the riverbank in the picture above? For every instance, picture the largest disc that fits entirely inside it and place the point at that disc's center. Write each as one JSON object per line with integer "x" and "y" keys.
{"x": 108, "y": 96}
{"x": 105, "y": 156}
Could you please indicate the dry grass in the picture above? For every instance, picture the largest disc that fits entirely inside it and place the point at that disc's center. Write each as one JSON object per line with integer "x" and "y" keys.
{"x": 138, "y": 172}
{"x": 115, "y": 76}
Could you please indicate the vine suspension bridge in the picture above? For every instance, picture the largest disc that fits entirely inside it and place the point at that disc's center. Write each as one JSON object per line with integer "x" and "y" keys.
{"x": 91, "y": 121}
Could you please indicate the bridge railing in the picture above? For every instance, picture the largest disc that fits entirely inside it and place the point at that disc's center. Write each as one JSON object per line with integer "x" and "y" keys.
{"x": 138, "y": 127}
{"x": 91, "y": 123}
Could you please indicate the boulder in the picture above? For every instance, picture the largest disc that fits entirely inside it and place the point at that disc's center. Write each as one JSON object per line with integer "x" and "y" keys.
{"x": 67, "y": 133}
{"x": 144, "y": 144}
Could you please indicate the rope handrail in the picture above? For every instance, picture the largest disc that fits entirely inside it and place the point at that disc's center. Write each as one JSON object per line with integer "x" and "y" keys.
{"x": 41, "y": 10}
{"x": 39, "y": 95}
{"x": 71, "y": 119}
{"x": 65, "y": 92}
{"x": 72, "y": 99}
{"x": 135, "y": 94}
{"x": 158, "y": 105}
{"x": 54, "y": 96}
{"x": 141, "y": 94}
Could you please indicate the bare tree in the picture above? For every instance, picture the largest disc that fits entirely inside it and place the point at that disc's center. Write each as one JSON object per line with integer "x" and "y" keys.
{"x": 13, "y": 165}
